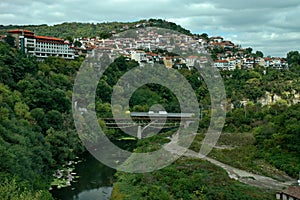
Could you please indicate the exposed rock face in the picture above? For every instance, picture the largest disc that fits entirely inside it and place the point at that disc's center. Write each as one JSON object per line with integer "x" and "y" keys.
{"x": 296, "y": 98}
{"x": 290, "y": 97}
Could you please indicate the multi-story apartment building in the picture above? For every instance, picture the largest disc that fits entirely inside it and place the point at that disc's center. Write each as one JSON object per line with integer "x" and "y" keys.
{"x": 41, "y": 46}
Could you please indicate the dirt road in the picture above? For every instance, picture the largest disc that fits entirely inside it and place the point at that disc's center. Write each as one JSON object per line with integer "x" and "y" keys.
{"x": 234, "y": 173}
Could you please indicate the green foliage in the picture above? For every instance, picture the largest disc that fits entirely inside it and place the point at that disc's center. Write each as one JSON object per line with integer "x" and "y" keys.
{"x": 204, "y": 36}
{"x": 9, "y": 190}
{"x": 248, "y": 50}
{"x": 103, "y": 30}
{"x": 9, "y": 39}
{"x": 77, "y": 44}
{"x": 168, "y": 25}
{"x": 215, "y": 51}
{"x": 278, "y": 139}
{"x": 259, "y": 54}
{"x": 184, "y": 179}
{"x": 37, "y": 133}
{"x": 36, "y": 130}
{"x": 293, "y": 57}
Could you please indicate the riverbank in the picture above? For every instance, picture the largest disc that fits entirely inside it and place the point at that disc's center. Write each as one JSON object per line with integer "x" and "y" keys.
{"x": 94, "y": 181}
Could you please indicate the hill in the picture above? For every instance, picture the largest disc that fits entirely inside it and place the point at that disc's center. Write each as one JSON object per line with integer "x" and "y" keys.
{"x": 37, "y": 134}
{"x": 103, "y": 30}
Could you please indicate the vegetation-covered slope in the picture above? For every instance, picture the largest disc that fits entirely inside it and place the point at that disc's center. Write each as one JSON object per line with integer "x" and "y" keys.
{"x": 37, "y": 135}
{"x": 36, "y": 131}
{"x": 103, "y": 30}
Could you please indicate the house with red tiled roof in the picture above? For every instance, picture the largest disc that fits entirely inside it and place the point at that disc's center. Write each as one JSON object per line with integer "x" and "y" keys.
{"x": 168, "y": 62}
{"x": 190, "y": 60}
{"x": 217, "y": 39}
{"x": 223, "y": 65}
{"x": 291, "y": 193}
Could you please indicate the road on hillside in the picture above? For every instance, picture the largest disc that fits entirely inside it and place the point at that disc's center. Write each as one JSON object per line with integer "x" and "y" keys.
{"x": 234, "y": 173}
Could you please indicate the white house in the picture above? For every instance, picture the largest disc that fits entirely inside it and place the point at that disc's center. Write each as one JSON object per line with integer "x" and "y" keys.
{"x": 221, "y": 64}
{"x": 139, "y": 56}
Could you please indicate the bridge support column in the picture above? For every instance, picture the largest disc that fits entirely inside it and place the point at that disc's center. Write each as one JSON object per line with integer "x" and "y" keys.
{"x": 139, "y": 132}
{"x": 187, "y": 124}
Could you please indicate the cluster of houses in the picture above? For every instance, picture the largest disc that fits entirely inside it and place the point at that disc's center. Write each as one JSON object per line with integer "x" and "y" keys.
{"x": 142, "y": 46}
{"x": 233, "y": 56}
{"x": 231, "y": 63}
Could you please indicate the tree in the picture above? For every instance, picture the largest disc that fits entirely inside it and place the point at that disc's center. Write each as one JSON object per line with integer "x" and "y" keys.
{"x": 9, "y": 39}
{"x": 293, "y": 57}
{"x": 105, "y": 35}
{"x": 54, "y": 119}
{"x": 70, "y": 39}
{"x": 38, "y": 115}
{"x": 248, "y": 50}
{"x": 259, "y": 54}
{"x": 21, "y": 109}
{"x": 77, "y": 44}
{"x": 10, "y": 190}
{"x": 204, "y": 36}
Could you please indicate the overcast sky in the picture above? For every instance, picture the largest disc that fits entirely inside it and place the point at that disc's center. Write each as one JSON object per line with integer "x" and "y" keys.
{"x": 272, "y": 26}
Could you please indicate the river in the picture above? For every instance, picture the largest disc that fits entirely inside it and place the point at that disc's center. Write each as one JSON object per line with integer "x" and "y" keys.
{"x": 94, "y": 183}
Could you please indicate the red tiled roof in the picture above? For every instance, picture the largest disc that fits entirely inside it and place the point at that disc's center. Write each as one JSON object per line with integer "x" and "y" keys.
{"x": 221, "y": 61}
{"x": 192, "y": 57}
{"x": 152, "y": 54}
{"x": 20, "y": 31}
{"x": 48, "y": 38}
{"x": 293, "y": 191}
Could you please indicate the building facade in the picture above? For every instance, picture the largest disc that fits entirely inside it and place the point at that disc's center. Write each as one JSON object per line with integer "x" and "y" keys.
{"x": 41, "y": 46}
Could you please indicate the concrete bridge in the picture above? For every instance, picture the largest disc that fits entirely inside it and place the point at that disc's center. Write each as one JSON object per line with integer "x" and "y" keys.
{"x": 160, "y": 119}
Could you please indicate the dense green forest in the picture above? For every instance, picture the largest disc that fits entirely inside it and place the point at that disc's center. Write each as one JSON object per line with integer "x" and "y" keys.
{"x": 37, "y": 134}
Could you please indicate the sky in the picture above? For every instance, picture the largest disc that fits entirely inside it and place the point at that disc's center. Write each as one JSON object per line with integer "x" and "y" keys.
{"x": 270, "y": 26}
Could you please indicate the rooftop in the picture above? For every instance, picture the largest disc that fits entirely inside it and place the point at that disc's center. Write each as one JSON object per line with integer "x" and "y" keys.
{"x": 21, "y": 31}
{"x": 49, "y": 38}
{"x": 293, "y": 191}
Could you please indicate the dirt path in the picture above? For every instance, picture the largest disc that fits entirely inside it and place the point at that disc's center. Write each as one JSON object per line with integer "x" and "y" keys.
{"x": 234, "y": 173}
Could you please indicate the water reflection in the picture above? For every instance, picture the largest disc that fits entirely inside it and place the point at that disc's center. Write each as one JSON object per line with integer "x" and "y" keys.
{"x": 102, "y": 193}
{"x": 95, "y": 182}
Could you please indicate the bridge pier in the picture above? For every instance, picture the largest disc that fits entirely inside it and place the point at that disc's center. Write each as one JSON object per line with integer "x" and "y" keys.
{"x": 139, "y": 132}
{"x": 187, "y": 124}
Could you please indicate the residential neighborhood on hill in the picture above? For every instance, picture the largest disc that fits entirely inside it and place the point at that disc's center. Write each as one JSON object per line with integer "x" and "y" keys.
{"x": 231, "y": 56}
{"x": 144, "y": 48}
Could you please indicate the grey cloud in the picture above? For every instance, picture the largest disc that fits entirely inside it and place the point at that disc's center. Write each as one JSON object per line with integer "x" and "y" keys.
{"x": 255, "y": 4}
{"x": 270, "y": 25}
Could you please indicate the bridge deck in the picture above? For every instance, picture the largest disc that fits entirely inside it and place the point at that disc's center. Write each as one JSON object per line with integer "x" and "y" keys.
{"x": 161, "y": 115}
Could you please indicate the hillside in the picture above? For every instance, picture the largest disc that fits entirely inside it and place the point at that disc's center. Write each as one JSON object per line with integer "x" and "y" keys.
{"x": 37, "y": 134}
{"x": 103, "y": 30}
